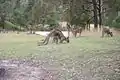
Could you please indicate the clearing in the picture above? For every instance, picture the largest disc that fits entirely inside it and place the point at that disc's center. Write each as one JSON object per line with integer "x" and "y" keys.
{"x": 84, "y": 58}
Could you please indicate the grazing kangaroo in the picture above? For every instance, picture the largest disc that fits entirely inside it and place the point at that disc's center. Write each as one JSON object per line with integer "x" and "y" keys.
{"x": 57, "y": 35}
{"x": 107, "y": 31}
{"x": 74, "y": 30}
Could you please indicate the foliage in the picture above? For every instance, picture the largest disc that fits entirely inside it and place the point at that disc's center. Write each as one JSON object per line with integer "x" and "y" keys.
{"x": 19, "y": 18}
{"x": 112, "y": 14}
{"x": 52, "y": 20}
{"x": 10, "y": 25}
{"x": 116, "y": 22}
{"x": 80, "y": 19}
{"x": 40, "y": 12}
{"x": 77, "y": 12}
{"x": 115, "y": 4}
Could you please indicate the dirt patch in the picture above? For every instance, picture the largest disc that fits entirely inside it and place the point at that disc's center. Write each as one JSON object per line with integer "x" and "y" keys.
{"x": 92, "y": 69}
{"x": 84, "y": 33}
{"x": 26, "y": 70}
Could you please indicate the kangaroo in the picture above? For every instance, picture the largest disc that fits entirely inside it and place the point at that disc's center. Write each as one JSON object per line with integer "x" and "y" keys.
{"x": 57, "y": 35}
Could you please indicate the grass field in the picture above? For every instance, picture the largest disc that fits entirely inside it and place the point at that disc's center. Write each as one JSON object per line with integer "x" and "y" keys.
{"x": 84, "y": 58}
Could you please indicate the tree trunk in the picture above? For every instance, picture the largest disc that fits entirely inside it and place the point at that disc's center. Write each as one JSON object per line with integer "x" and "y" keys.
{"x": 95, "y": 14}
{"x": 88, "y": 25}
{"x": 3, "y": 25}
{"x": 99, "y": 10}
{"x": 71, "y": 11}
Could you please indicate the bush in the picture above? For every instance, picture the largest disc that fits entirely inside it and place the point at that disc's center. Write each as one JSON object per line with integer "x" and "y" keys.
{"x": 11, "y": 26}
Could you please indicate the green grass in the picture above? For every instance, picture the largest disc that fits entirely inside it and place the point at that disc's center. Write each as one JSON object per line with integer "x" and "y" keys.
{"x": 84, "y": 56}
{"x": 22, "y": 45}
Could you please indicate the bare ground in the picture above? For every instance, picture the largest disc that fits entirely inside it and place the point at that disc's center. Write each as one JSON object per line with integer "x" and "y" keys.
{"x": 92, "y": 69}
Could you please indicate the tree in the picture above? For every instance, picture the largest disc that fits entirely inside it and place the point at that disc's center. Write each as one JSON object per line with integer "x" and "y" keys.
{"x": 75, "y": 13}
